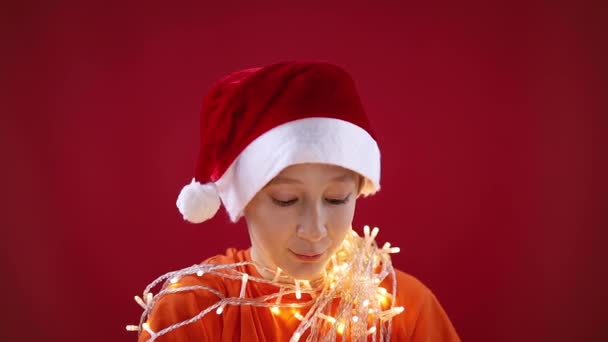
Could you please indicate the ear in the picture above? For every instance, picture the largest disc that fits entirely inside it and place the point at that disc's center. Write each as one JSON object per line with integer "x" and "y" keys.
{"x": 360, "y": 182}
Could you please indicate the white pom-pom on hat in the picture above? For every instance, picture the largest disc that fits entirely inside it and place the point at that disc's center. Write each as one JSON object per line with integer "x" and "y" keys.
{"x": 198, "y": 202}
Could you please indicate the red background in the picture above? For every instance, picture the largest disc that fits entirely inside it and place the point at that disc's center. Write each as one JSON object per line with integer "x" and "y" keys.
{"x": 488, "y": 118}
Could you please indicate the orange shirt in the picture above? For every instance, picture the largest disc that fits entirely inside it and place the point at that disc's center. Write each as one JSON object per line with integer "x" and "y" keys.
{"x": 423, "y": 319}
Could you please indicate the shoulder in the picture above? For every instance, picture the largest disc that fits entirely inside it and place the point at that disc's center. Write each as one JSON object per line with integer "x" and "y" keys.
{"x": 192, "y": 295}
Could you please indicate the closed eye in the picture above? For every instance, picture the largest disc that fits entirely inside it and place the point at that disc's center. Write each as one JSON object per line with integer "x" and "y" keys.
{"x": 284, "y": 203}
{"x": 338, "y": 201}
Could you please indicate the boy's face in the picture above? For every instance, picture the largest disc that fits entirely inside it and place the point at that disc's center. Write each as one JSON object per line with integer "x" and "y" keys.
{"x": 300, "y": 218}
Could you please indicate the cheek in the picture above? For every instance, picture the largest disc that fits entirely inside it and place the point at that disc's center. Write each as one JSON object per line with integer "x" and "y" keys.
{"x": 271, "y": 223}
{"x": 341, "y": 218}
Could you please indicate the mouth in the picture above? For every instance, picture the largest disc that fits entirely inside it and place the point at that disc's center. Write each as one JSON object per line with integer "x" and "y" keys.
{"x": 307, "y": 257}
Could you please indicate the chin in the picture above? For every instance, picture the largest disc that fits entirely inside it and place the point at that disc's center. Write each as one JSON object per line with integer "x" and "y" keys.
{"x": 305, "y": 271}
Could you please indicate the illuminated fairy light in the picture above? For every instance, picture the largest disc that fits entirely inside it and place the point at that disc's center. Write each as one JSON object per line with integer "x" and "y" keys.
{"x": 298, "y": 291}
{"x": 277, "y": 275}
{"x": 147, "y": 328}
{"x": 355, "y": 271}
{"x": 244, "y": 285}
{"x": 340, "y": 328}
{"x": 220, "y": 310}
{"x": 329, "y": 319}
{"x": 141, "y": 302}
{"x": 295, "y": 337}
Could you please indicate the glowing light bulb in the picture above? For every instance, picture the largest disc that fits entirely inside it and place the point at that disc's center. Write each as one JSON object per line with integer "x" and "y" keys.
{"x": 140, "y": 301}
{"x": 365, "y": 302}
{"x": 295, "y": 337}
{"x": 298, "y": 315}
{"x": 329, "y": 319}
{"x": 398, "y": 309}
{"x": 298, "y": 292}
{"x": 200, "y": 273}
{"x": 275, "y": 310}
{"x": 340, "y": 328}
{"x": 147, "y": 328}
{"x": 220, "y": 310}
{"x": 394, "y": 250}
{"x": 374, "y": 233}
{"x": 371, "y": 330}
{"x": 277, "y": 274}
{"x": 355, "y": 319}
{"x": 132, "y": 328}
{"x": 174, "y": 280}
{"x": 244, "y": 284}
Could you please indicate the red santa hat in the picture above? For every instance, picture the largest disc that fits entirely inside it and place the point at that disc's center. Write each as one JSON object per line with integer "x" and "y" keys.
{"x": 256, "y": 122}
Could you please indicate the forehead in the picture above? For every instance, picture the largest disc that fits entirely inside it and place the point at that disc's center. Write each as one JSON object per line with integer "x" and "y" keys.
{"x": 321, "y": 173}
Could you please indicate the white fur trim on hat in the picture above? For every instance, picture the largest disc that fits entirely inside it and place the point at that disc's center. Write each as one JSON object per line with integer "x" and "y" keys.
{"x": 198, "y": 202}
{"x": 310, "y": 140}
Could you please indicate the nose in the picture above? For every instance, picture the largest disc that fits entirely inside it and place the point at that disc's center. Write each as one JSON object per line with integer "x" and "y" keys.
{"x": 312, "y": 225}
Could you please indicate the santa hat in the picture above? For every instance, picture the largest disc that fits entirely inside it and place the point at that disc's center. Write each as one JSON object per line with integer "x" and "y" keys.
{"x": 256, "y": 122}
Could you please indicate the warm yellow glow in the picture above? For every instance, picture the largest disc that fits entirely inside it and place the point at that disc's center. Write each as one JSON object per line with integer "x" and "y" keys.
{"x": 147, "y": 328}
{"x": 344, "y": 277}
{"x": 383, "y": 300}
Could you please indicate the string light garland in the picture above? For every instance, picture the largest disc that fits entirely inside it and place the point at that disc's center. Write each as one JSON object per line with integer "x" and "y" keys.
{"x": 348, "y": 302}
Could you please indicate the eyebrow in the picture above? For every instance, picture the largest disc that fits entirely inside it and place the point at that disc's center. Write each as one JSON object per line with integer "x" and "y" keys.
{"x": 286, "y": 180}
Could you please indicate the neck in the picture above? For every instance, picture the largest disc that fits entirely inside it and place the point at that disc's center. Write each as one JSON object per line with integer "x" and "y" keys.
{"x": 272, "y": 272}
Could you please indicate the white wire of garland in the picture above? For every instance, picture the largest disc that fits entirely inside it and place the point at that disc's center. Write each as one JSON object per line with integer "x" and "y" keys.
{"x": 352, "y": 277}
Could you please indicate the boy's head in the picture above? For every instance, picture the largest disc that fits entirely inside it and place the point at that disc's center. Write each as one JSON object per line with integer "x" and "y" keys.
{"x": 259, "y": 123}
